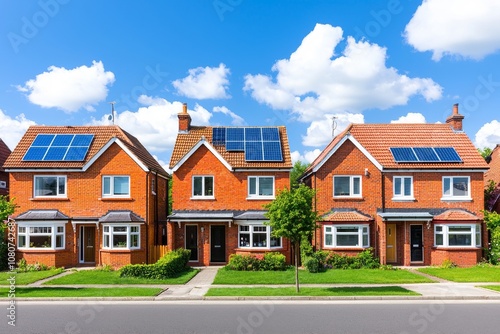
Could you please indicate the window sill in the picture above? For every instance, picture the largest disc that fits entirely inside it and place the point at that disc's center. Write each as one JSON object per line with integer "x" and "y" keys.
{"x": 119, "y": 250}
{"x": 23, "y": 249}
{"x": 456, "y": 248}
{"x": 456, "y": 199}
{"x": 261, "y": 198}
{"x": 49, "y": 199}
{"x": 203, "y": 198}
{"x": 345, "y": 248}
{"x": 348, "y": 198}
{"x": 403, "y": 199}
{"x": 258, "y": 249}
{"x": 116, "y": 199}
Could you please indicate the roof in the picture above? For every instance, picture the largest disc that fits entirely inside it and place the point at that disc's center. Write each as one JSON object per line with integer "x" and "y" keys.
{"x": 456, "y": 214}
{"x": 102, "y": 136}
{"x": 4, "y": 153}
{"x": 346, "y": 215}
{"x": 376, "y": 139}
{"x": 42, "y": 215}
{"x": 186, "y": 141}
{"x": 124, "y": 216}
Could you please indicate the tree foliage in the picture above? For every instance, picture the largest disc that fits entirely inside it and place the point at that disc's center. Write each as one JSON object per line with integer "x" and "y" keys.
{"x": 298, "y": 169}
{"x": 7, "y": 208}
{"x": 291, "y": 216}
{"x": 492, "y": 220}
{"x": 485, "y": 152}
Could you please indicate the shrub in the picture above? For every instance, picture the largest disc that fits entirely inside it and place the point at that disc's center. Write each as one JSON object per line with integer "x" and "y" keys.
{"x": 170, "y": 265}
{"x": 23, "y": 267}
{"x": 273, "y": 261}
{"x": 312, "y": 264}
{"x": 306, "y": 249}
{"x": 322, "y": 260}
{"x": 447, "y": 264}
{"x": 270, "y": 261}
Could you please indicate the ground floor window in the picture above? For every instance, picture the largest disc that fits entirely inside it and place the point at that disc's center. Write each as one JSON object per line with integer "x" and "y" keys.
{"x": 257, "y": 236}
{"x": 463, "y": 235}
{"x": 41, "y": 235}
{"x": 347, "y": 236}
{"x": 121, "y": 236}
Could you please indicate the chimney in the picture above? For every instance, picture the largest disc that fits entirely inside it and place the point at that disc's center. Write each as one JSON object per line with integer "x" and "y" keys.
{"x": 455, "y": 120}
{"x": 184, "y": 119}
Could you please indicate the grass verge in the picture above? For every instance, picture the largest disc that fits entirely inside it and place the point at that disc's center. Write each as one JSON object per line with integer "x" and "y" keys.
{"x": 28, "y": 277}
{"x": 491, "y": 287}
{"x": 113, "y": 277}
{"x": 471, "y": 274}
{"x": 82, "y": 292}
{"x": 333, "y": 276}
{"x": 305, "y": 291}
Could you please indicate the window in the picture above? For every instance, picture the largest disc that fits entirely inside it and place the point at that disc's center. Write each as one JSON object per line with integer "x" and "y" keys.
{"x": 53, "y": 186}
{"x": 347, "y": 236}
{"x": 116, "y": 186}
{"x": 261, "y": 187}
{"x": 456, "y": 187}
{"x": 257, "y": 236}
{"x": 41, "y": 236}
{"x": 403, "y": 187}
{"x": 121, "y": 236}
{"x": 457, "y": 235}
{"x": 347, "y": 186}
{"x": 203, "y": 186}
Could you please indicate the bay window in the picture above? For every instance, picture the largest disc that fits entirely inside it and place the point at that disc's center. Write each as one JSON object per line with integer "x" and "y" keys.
{"x": 41, "y": 236}
{"x": 257, "y": 236}
{"x": 463, "y": 235}
{"x": 121, "y": 236}
{"x": 346, "y": 236}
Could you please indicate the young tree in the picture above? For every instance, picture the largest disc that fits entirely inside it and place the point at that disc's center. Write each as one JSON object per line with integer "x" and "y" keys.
{"x": 485, "y": 152}
{"x": 291, "y": 216}
{"x": 6, "y": 209}
{"x": 298, "y": 169}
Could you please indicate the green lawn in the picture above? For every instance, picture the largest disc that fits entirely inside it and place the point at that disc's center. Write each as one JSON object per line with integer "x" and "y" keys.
{"x": 27, "y": 277}
{"x": 491, "y": 287}
{"x": 113, "y": 277}
{"x": 471, "y": 274}
{"x": 82, "y": 292}
{"x": 344, "y": 291}
{"x": 361, "y": 276}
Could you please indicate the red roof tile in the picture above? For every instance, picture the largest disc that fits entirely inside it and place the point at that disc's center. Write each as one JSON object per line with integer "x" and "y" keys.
{"x": 456, "y": 215}
{"x": 345, "y": 216}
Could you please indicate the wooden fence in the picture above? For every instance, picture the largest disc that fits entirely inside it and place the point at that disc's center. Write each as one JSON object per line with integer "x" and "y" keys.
{"x": 156, "y": 252}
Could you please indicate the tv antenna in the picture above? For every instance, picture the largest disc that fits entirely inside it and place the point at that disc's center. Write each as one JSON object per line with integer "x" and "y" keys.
{"x": 334, "y": 125}
{"x": 112, "y": 116}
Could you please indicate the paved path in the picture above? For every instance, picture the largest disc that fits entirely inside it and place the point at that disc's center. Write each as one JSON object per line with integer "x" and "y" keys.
{"x": 196, "y": 288}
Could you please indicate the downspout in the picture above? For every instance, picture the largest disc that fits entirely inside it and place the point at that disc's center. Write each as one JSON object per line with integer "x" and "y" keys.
{"x": 156, "y": 209}
{"x": 316, "y": 210}
{"x": 147, "y": 216}
{"x": 377, "y": 249}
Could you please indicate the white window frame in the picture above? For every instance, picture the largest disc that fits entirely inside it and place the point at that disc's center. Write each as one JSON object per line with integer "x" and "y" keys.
{"x": 451, "y": 196}
{"x": 402, "y": 188}
{"x": 58, "y": 180}
{"x": 333, "y": 231}
{"x": 251, "y": 230}
{"x": 444, "y": 230}
{"x": 108, "y": 234}
{"x": 28, "y": 230}
{"x": 203, "y": 196}
{"x": 257, "y": 187}
{"x": 351, "y": 186}
{"x": 111, "y": 193}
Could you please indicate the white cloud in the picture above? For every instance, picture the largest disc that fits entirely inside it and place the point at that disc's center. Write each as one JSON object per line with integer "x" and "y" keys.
{"x": 315, "y": 81}
{"x": 156, "y": 124}
{"x": 237, "y": 120}
{"x": 320, "y": 132}
{"x": 69, "y": 90}
{"x": 488, "y": 135}
{"x": 204, "y": 83}
{"x": 12, "y": 129}
{"x": 411, "y": 117}
{"x": 307, "y": 157}
{"x": 455, "y": 27}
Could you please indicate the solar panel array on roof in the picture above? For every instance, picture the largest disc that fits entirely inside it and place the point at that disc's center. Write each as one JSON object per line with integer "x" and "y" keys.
{"x": 258, "y": 143}
{"x": 61, "y": 147}
{"x": 425, "y": 154}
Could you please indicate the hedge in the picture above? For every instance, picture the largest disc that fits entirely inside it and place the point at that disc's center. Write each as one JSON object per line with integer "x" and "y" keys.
{"x": 170, "y": 265}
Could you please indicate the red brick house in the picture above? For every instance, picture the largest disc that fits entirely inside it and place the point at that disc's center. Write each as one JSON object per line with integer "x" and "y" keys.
{"x": 493, "y": 174}
{"x": 222, "y": 177}
{"x": 413, "y": 192}
{"x": 86, "y": 195}
{"x": 4, "y": 176}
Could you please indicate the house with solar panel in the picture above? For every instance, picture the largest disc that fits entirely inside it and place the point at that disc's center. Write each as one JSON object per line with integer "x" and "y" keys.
{"x": 222, "y": 177}
{"x": 86, "y": 195}
{"x": 412, "y": 192}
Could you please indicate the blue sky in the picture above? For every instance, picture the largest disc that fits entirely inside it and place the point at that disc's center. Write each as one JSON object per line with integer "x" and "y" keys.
{"x": 256, "y": 63}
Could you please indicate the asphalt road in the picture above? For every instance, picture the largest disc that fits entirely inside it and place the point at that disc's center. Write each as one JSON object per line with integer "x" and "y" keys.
{"x": 270, "y": 317}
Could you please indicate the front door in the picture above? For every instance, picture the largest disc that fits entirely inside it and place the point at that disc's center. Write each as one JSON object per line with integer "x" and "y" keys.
{"x": 192, "y": 241}
{"x": 218, "y": 243}
{"x": 391, "y": 243}
{"x": 416, "y": 243}
{"x": 87, "y": 244}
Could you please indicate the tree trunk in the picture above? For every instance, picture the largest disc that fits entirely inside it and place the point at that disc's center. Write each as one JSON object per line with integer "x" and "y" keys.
{"x": 296, "y": 251}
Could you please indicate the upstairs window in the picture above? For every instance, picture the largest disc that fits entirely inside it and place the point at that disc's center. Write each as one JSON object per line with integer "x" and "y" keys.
{"x": 261, "y": 187}
{"x": 347, "y": 186}
{"x": 203, "y": 187}
{"x": 403, "y": 187}
{"x": 456, "y": 188}
{"x": 116, "y": 186}
{"x": 50, "y": 186}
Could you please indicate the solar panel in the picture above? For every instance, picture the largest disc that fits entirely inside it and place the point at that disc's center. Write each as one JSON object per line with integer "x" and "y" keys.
{"x": 426, "y": 154}
{"x": 219, "y": 136}
{"x": 61, "y": 147}
{"x": 447, "y": 154}
{"x": 403, "y": 154}
{"x": 253, "y": 134}
{"x": 272, "y": 151}
{"x": 270, "y": 134}
{"x": 253, "y": 151}
{"x": 235, "y": 134}
{"x": 235, "y": 145}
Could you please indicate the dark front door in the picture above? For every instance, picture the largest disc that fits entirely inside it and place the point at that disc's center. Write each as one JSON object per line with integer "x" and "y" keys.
{"x": 218, "y": 243}
{"x": 192, "y": 241}
{"x": 416, "y": 243}
{"x": 87, "y": 244}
